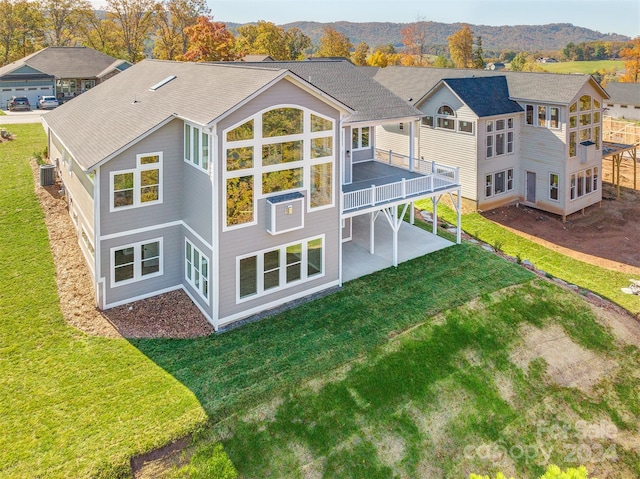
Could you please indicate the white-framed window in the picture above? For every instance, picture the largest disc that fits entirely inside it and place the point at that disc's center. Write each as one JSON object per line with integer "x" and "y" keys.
{"x": 196, "y": 146}
{"x": 445, "y": 118}
{"x": 498, "y": 183}
{"x": 500, "y": 137}
{"x": 583, "y": 182}
{"x": 282, "y": 149}
{"x": 427, "y": 121}
{"x": 277, "y": 268}
{"x": 360, "y": 138}
{"x": 196, "y": 269}
{"x": 553, "y": 186}
{"x": 544, "y": 116}
{"x": 584, "y": 123}
{"x": 465, "y": 126}
{"x": 140, "y": 186}
{"x": 136, "y": 262}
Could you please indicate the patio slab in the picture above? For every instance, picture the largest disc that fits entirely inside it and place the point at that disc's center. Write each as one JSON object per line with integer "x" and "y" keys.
{"x": 413, "y": 242}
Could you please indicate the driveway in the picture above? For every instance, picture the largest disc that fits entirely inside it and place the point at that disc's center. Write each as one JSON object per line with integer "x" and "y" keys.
{"x": 13, "y": 117}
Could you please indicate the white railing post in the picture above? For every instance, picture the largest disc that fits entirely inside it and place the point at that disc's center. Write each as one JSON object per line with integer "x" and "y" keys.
{"x": 373, "y": 195}
{"x": 390, "y": 157}
{"x": 404, "y": 188}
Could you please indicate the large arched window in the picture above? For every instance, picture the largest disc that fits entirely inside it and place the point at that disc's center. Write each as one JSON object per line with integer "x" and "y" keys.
{"x": 282, "y": 149}
{"x": 445, "y": 118}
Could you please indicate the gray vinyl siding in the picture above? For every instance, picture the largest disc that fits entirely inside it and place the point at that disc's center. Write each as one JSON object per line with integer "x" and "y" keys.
{"x": 172, "y": 265}
{"x": 452, "y": 148}
{"x": 167, "y": 140}
{"x": 197, "y": 207}
{"x": 255, "y": 238}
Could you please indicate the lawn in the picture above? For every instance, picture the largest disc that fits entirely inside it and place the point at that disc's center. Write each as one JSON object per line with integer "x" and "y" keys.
{"x": 584, "y": 67}
{"x": 71, "y": 405}
{"x": 447, "y": 398}
{"x": 601, "y": 281}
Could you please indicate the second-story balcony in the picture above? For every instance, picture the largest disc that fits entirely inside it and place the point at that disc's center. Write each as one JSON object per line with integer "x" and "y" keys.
{"x": 394, "y": 179}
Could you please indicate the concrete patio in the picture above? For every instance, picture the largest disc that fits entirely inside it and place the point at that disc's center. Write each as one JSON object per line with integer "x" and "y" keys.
{"x": 413, "y": 242}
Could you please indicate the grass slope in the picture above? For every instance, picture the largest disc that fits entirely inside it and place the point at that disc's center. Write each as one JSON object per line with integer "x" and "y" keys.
{"x": 445, "y": 399}
{"x": 603, "y": 282}
{"x": 584, "y": 67}
{"x": 71, "y": 405}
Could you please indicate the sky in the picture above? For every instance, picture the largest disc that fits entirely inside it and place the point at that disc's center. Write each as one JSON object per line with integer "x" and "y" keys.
{"x": 604, "y": 16}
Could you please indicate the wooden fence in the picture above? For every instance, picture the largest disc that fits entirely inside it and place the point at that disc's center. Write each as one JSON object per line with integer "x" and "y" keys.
{"x": 620, "y": 131}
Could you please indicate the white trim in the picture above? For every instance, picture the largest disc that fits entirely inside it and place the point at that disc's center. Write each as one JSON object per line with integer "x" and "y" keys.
{"x": 143, "y": 296}
{"x": 96, "y": 238}
{"x": 193, "y": 268}
{"x": 204, "y": 312}
{"x": 557, "y": 200}
{"x": 137, "y": 183}
{"x": 359, "y": 130}
{"x": 155, "y": 228}
{"x": 137, "y": 262}
{"x": 282, "y": 266}
{"x": 264, "y": 307}
{"x": 214, "y": 174}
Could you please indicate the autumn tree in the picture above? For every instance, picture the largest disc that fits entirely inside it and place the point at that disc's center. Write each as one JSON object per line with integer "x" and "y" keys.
{"x": 63, "y": 20}
{"x": 384, "y": 56}
{"x": 334, "y": 44}
{"x": 21, "y": 29}
{"x": 269, "y": 39}
{"x": 414, "y": 38}
{"x": 172, "y": 19}
{"x": 361, "y": 53}
{"x": 101, "y": 33}
{"x": 631, "y": 57}
{"x": 461, "y": 47}
{"x": 209, "y": 41}
{"x": 134, "y": 20}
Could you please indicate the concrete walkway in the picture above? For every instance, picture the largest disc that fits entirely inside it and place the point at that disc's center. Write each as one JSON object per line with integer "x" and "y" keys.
{"x": 21, "y": 117}
{"x": 413, "y": 242}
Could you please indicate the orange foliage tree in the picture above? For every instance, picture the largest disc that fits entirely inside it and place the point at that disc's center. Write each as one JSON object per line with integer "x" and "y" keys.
{"x": 209, "y": 41}
{"x": 631, "y": 56}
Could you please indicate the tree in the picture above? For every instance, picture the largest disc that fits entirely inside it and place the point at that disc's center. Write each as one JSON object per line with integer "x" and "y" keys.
{"x": 297, "y": 43}
{"x": 269, "y": 39}
{"x": 101, "y": 34}
{"x": 478, "y": 55}
{"x": 361, "y": 53}
{"x": 21, "y": 31}
{"x": 63, "y": 19}
{"x": 414, "y": 38}
{"x": 134, "y": 20}
{"x": 461, "y": 47}
{"x": 209, "y": 41}
{"x": 517, "y": 64}
{"x": 172, "y": 19}
{"x": 442, "y": 62}
{"x": 334, "y": 44}
{"x": 631, "y": 57}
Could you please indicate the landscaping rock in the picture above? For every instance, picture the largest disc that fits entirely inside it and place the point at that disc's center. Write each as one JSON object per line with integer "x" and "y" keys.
{"x": 560, "y": 281}
{"x": 488, "y": 248}
{"x": 527, "y": 264}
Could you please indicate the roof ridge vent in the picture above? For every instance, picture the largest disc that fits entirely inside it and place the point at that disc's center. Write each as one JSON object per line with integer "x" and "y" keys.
{"x": 162, "y": 83}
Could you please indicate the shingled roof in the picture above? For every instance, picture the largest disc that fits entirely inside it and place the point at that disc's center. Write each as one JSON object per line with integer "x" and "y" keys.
{"x": 65, "y": 62}
{"x": 624, "y": 93}
{"x": 415, "y": 82}
{"x": 346, "y": 82}
{"x": 118, "y": 112}
{"x": 486, "y": 96}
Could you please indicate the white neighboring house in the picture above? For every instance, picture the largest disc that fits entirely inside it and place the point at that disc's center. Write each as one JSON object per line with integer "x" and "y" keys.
{"x": 535, "y": 138}
{"x": 624, "y": 101}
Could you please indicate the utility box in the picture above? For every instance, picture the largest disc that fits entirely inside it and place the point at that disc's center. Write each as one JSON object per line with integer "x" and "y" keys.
{"x": 286, "y": 213}
{"x": 47, "y": 175}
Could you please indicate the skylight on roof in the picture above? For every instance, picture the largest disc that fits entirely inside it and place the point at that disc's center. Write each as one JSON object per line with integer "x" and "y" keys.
{"x": 162, "y": 83}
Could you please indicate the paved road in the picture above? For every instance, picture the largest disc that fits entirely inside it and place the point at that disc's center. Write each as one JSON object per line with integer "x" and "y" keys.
{"x": 12, "y": 117}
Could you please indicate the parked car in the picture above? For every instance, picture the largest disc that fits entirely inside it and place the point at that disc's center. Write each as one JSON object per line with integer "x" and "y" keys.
{"x": 47, "y": 102}
{"x": 19, "y": 103}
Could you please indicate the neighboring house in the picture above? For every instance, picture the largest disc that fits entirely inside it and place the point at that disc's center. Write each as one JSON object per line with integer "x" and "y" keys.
{"x": 256, "y": 58}
{"x": 624, "y": 101}
{"x": 495, "y": 66}
{"x": 535, "y": 138}
{"x": 59, "y": 71}
{"x": 247, "y": 201}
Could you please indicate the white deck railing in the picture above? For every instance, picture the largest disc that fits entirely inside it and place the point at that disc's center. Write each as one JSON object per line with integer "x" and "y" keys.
{"x": 436, "y": 177}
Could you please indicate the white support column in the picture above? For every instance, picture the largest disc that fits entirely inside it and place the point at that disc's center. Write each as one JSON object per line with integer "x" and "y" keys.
{"x": 411, "y": 144}
{"x": 459, "y": 232}
{"x": 434, "y": 202}
{"x": 395, "y": 221}
{"x": 412, "y": 213}
{"x": 372, "y": 231}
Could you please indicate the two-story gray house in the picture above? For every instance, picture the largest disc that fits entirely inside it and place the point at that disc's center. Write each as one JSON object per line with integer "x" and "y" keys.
{"x": 239, "y": 184}
{"x": 535, "y": 138}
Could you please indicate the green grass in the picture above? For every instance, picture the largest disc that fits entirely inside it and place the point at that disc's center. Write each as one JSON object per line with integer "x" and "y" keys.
{"x": 584, "y": 67}
{"x": 71, "y": 405}
{"x": 432, "y": 401}
{"x": 601, "y": 281}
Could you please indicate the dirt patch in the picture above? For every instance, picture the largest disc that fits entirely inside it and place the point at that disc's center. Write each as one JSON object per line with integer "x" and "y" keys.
{"x": 148, "y": 466}
{"x": 568, "y": 364}
{"x": 171, "y": 315}
{"x": 607, "y": 235}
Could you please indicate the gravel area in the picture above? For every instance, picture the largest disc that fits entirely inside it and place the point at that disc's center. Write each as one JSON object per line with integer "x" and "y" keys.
{"x": 170, "y": 315}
